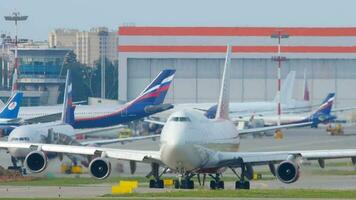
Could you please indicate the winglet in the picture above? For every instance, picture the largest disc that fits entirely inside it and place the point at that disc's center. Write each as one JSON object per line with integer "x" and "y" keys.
{"x": 224, "y": 98}
{"x": 68, "y": 108}
{"x": 12, "y": 107}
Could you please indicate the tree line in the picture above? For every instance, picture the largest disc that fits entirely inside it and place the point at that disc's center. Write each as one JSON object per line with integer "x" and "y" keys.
{"x": 86, "y": 79}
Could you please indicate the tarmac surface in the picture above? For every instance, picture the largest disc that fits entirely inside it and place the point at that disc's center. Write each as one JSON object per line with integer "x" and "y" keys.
{"x": 294, "y": 139}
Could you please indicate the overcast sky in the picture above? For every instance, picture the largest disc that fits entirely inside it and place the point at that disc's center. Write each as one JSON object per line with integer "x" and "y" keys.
{"x": 46, "y": 15}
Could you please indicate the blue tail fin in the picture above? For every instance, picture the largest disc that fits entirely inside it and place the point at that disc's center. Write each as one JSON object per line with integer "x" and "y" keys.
{"x": 68, "y": 108}
{"x": 12, "y": 107}
{"x": 322, "y": 114}
{"x": 326, "y": 105}
{"x": 158, "y": 88}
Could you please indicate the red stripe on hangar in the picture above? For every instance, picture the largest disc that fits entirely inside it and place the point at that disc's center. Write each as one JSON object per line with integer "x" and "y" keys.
{"x": 236, "y": 49}
{"x": 236, "y": 31}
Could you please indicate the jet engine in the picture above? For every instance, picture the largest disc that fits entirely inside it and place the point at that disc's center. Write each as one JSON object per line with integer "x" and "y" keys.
{"x": 36, "y": 161}
{"x": 288, "y": 171}
{"x": 100, "y": 168}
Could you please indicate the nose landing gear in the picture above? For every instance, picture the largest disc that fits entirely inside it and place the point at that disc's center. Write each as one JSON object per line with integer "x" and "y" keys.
{"x": 186, "y": 182}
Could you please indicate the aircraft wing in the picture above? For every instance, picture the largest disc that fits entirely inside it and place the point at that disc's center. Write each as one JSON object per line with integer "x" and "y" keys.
{"x": 43, "y": 119}
{"x": 343, "y": 109}
{"x": 269, "y": 128}
{"x": 120, "y": 154}
{"x": 234, "y": 159}
{"x": 155, "y": 122}
{"x": 120, "y": 140}
{"x": 99, "y": 130}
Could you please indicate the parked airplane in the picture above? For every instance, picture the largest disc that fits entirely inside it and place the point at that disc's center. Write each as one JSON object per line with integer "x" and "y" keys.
{"x": 245, "y": 109}
{"x": 63, "y": 132}
{"x": 322, "y": 113}
{"x": 189, "y": 146}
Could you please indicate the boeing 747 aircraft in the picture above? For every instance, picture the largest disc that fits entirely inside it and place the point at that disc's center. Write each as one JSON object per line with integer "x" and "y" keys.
{"x": 191, "y": 144}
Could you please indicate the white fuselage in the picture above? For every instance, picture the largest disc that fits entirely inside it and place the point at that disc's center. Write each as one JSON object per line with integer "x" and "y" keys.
{"x": 189, "y": 140}
{"x": 37, "y": 133}
{"x": 81, "y": 111}
{"x": 238, "y": 109}
{"x": 285, "y": 119}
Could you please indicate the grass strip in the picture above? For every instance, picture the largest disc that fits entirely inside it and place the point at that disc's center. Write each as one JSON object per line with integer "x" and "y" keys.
{"x": 254, "y": 193}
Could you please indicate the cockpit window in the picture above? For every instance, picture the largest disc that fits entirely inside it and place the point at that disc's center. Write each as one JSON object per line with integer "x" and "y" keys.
{"x": 180, "y": 119}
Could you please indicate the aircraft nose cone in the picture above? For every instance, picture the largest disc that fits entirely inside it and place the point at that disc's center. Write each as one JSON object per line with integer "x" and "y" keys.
{"x": 181, "y": 156}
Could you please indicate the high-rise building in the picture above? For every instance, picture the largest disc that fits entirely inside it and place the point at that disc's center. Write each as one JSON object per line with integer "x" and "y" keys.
{"x": 63, "y": 38}
{"x": 87, "y": 45}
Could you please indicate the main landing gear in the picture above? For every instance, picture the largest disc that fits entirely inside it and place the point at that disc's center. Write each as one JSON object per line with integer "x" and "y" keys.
{"x": 15, "y": 167}
{"x": 241, "y": 183}
{"x": 156, "y": 182}
{"x": 217, "y": 183}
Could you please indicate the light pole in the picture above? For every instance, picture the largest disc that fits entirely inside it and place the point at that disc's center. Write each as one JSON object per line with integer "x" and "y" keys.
{"x": 102, "y": 38}
{"x": 15, "y": 17}
{"x": 279, "y": 35}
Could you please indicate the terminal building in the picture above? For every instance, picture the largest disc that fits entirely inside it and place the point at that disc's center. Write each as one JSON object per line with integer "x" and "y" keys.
{"x": 197, "y": 53}
{"x": 39, "y": 75}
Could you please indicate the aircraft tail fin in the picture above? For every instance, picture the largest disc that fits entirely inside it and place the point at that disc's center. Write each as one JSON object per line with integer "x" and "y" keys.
{"x": 224, "y": 98}
{"x": 12, "y": 107}
{"x": 68, "y": 108}
{"x": 322, "y": 114}
{"x": 326, "y": 105}
{"x": 287, "y": 88}
{"x": 306, "y": 89}
{"x": 158, "y": 88}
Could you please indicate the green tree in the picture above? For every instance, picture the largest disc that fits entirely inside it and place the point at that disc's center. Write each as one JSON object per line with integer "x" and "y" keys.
{"x": 86, "y": 79}
{"x": 81, "y": 77}
{"x": 111, "y": 78}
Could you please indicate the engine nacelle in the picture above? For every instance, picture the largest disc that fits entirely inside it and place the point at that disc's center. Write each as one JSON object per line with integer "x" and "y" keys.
{"x": 288, "y": 171}
{"x": 36, "y": 161}
{"x": 100, "y": 168}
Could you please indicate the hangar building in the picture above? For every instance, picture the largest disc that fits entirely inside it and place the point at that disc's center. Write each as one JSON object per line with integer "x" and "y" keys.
{"x": 197, "y": 53}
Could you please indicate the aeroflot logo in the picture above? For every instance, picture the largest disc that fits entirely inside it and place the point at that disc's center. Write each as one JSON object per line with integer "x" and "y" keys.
{"x": 12, "y": 105}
